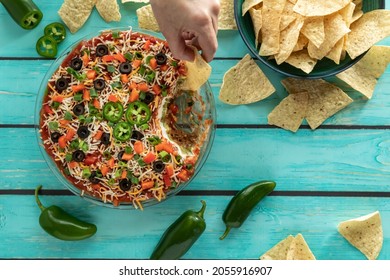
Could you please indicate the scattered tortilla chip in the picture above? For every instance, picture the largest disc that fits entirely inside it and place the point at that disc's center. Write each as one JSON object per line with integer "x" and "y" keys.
{"x": 299, "y": 250}
{"x": 290, "y": 112}
{"x": 226, "y": 19}
{"x": 364, "y": 74}
{"x": 108, "y": 10}
{"x": 325, "y": 99}
{"x": 75, "y": 13}
{"x": 312, "y": 8}
{"x": 302, "y": 60}
{"x": 245, "y": 83}
{"x": 249, "y": 4}
{"x": 364, "y": 233}
{"x": 279, "y": 251}
{"x": 198, "y": 73}
{"x": 369, "y": 29}
{"x": 290, "y": 248}
{"x": 146, "y": 19}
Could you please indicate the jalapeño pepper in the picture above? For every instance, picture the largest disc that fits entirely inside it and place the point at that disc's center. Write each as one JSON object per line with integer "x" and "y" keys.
{"x": 138, "y": 113}
{"x": 243, "y": 202}
{"x": 113, "y": 111}
{"x": 47, "y": 46}
{"x": 56, "y": 30}
{"x": 122, "y": 131}
{"x": 180, "y": 235}
{"x": 24, "y": 12}
{"x": 61, "y": 225}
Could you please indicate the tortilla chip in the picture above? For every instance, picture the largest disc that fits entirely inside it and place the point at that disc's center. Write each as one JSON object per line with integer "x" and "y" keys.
{"x": 335, "y": 28}
{"x": 272, "y": 13}
{"x": 75, "y": 13}
{"x": 313, "y": 29}
{"x": 146, "y": 19}
{"x": 257, "y": 19}
{"x": 301, "y": 43}
{"x": 369, "y": 29}
{"x": 302, "y": 60}
{"x": 290, "y": 112}
{"x": 279, "y": 251}
{"x": 226, "y": 18}
{"x": 336, "y": 53}
{"x": 108, "y": 10}
{"x": 299, "y": 250}
{"x": 198, "y": 73}
{"x": 364, "y": 74}
{"x": 245, "y": 83}
{"x": 312, "y": 8}
{"x": 364, "y": 233}
{"x": 325, "y": 99}
{"x": 248, "y": 4}
{"x": 288, "y": 40}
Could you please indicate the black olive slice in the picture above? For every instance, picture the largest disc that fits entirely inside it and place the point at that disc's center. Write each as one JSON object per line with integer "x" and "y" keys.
{"x": 158, "y": 166}
{"x": 161, "y": 58}
{"x": 76, "y": 63}
{"x": 78, "y": 109}
{"x": 93, "y": 177}
{"x": 99, "y": 84}
{"x": 83, "y": 132}
{"x": 136, "y": 135}
{"x": 78, "y": 155}
{"x": 55, "y": 136}
{"x": 120, "y": 155}
{"x": 105, "y": 140}
{"x": 124, "y": 185}
{"x": 101, "y": 50}
{"x": 61, "y": 84}
{"x": 149, "y": 97}
{"x": 125, "y": 68}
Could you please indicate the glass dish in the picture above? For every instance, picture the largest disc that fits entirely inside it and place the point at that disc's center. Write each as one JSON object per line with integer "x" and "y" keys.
{"x": 323, "y": 68}
{"x": 206, "y": 104}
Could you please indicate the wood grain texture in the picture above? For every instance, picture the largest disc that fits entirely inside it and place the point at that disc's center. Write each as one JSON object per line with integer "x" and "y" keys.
{"x": 323, "y": 160}
{"x": 124, "y": 234}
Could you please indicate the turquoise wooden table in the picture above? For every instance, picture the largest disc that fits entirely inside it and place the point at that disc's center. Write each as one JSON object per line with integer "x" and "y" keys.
{"x": 337, "y": 172}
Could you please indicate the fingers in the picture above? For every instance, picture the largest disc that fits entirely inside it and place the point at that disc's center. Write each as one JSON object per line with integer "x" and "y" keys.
{"x": 179, "y": 48}
{"x": 207, "y": 41}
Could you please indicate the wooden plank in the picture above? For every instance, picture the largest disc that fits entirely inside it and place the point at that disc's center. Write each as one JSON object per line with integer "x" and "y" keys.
{"x": 27, "y": 75}
{"x": 133, "y": 234}
{"x": 17, "y": 42}
{"x": 323, "y": 160}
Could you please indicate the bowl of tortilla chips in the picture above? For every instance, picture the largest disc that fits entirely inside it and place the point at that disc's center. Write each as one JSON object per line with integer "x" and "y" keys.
{"x": 310, "y": 39}
{"x": 121, "y": 122}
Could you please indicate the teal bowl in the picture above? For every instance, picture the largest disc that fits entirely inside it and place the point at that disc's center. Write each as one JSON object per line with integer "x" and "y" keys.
{"x": 324, "y": 68}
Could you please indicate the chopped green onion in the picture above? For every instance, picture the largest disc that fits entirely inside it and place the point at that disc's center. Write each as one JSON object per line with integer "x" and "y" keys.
{"x": 93, "y": 93}
{"x": 86, "y": 172}
{"x": 55, "y": 104}
{"x": 78, "y": 97}
{"x": 128, "y": 56}
{"x": 111, "y": 68}
{"x": 68, "y": 116}
{"x": 53, "y": 125}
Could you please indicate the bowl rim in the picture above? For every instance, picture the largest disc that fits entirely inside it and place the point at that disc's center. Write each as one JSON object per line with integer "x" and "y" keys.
{"x": 300, "y": 74}
{"x": 210, "y": 112}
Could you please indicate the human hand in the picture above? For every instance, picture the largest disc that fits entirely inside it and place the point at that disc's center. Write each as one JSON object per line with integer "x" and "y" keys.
{"x": 186, "y": 23}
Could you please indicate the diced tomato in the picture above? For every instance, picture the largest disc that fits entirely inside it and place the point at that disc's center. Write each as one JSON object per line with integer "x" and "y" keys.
{"x": 98, "y": 135}
{"x": 169, "y": 169}
{"x": 91, "y": 74}
{"x": 69, "y": 134}
{"x": 112, "y": 98}
{"x": 62, "y": 142}
{"x": 143, "y": 87}
{"x": 78, "y": 88}
{"x": 167, "y": 180}
{"x": 108, "y": 58}
{"x": 104, "y": 169}
{"x": 127, "y": 157}
{"x": 124, "y": 78}
{"x": 156, "y": 89}
{"x": 111, "y": 162}
{"x": 136, "y": 63}
{"x": 150, "y": 157}
{"x": 86, "y": 95}
{"x": 164, "y": 67}
{"x": 64, "y": 122}
{"x": 147, "y": 45}
{"x": 119, "y": 57}
{"x": 73, "y": 164}
{"x": 182, "y": 70}
{"x": 174, "y": 108}
{"x": 96, "y": 103}
{"x": 153, "y": 63}
{"x": 57, "y": 98}
{"x": 124, "y": 174}
{"x": 90, "y": 159}
{"x": 47, "y": 109}
{"x": 183, "y": 175}
{"x": 134, "y": 95}
{"x": 138, "y": 147}
{"x": 85, "y": 59}
{"x": 165, "y": 146}
{"x": 147, "y": 185}
{"x": 115, "y": 202}
{"x": 133, "y": 85}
